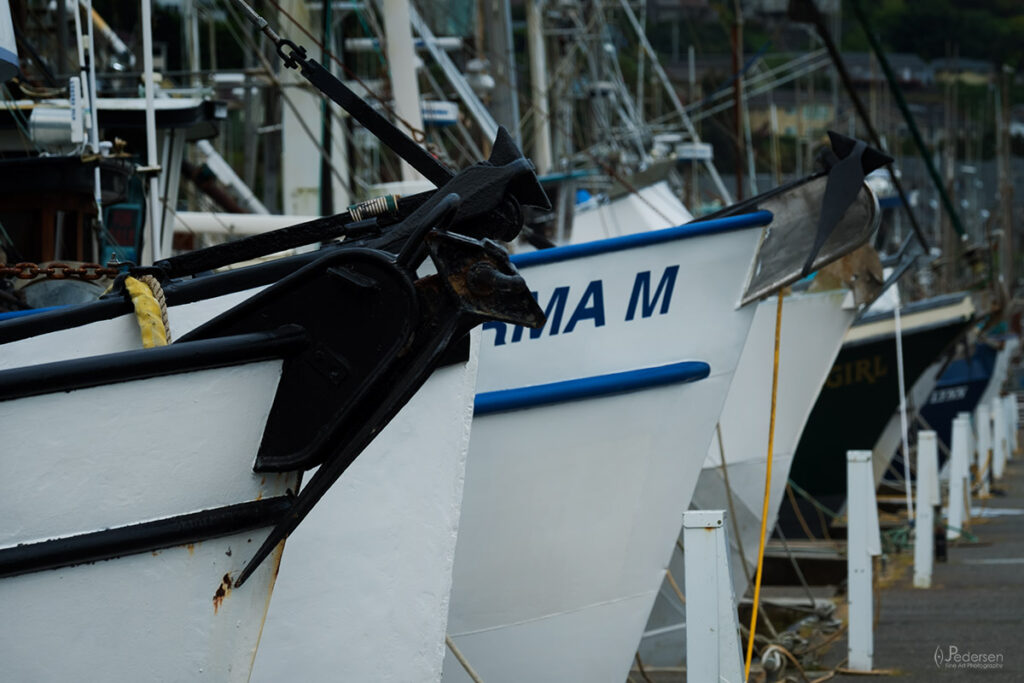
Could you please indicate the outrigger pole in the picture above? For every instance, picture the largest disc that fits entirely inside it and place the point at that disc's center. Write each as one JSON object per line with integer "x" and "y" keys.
{"x": 915, "y": 133}
{"x": 807, "y": 11}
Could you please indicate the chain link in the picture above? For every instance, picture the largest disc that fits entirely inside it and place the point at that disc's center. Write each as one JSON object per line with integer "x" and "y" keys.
{"x": 57, "y": 271}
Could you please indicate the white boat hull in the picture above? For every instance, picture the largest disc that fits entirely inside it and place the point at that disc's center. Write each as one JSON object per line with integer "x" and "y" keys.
{"x": 93, "y": 460}
{"x": 367, "y": 584}
{"x": 570, "y": 509}
{"x": 813, "y": 327}
{"x": 364, "y": 585}
{"x": 654, "y": 207}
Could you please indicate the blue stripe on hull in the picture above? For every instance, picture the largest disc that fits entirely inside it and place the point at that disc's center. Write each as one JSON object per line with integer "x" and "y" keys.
{"x": 589, "y": 387}
{"x": 641, "y": 239}
{"x": 7, "y": 315}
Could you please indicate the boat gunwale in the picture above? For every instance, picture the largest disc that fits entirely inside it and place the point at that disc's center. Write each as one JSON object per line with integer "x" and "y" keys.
{"x": 173, "y": 359}
{"x": 689, "y": 230}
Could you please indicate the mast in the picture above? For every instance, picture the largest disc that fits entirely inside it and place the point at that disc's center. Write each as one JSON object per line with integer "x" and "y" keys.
{"x": 301, "y": 135}
{"x": 542, "y": 155}
{"x": 673, "y": 96}
{"x": 153, "y": 250}
{"x": 326, "y": 181}
{"x": 500, "y": 53}
{"x": 908, "y": 117}
{"x": 1005, "y": 180}
{"x": 94, "y": 134}
{"x": 949, "y": 240}
{"x": 737, "y": 61}
{"x": 401, "y": 64}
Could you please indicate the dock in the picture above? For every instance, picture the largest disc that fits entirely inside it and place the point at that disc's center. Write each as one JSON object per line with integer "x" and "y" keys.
{"x": 974, "y": 606}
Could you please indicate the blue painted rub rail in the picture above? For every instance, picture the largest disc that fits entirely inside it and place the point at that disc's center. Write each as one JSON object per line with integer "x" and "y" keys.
{"x": 589, "y": 387}
{"x": 641, "y": 239}
{"x": 7, "y": 315}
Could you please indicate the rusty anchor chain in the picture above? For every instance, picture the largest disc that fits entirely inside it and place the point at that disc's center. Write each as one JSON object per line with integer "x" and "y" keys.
{"x": 58, "y": 271}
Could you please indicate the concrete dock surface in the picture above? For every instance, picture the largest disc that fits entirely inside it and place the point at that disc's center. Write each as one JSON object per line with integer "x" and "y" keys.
{"x": 969, "y": 626}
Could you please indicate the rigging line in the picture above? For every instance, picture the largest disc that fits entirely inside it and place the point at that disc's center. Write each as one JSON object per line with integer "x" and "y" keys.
{"x": 796, "y": 567}
{"x": 732, "y": 79}
{"x": 799, "y": 515}
{"x": 462, "y": 659}
{"x": 767, "y": 487}
{"x": 371, "y": 27}
{"x": 605, "y": 167}
{"x": 903, "y": 407}
{"x": 758, "y": 79}
{"x": 463, "y": 133}
{"x": 418, "y": 134}
{"x": 276, "y": 81}
{"x": 729, "y": 500}
{"x": 20, "y": 120}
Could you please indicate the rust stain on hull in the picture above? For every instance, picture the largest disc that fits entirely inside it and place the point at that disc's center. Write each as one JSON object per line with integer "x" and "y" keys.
{"x": 223, "y": 590}
{"x": 276, "y": 559}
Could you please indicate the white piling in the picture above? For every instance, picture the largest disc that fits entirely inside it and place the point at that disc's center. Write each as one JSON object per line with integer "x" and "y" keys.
{"x": 863, "y": 542}
{"x": 927, "y": 498}
{"x": 959, "y": 478}
{"x": 983, "y": 425}
{"x": 1000, "y": 438}
{"x": 1014, "y": 422}
{"x": 712, "y": 630}
{"x": 1011, "y": 429}
{"x": 972, "y": 457}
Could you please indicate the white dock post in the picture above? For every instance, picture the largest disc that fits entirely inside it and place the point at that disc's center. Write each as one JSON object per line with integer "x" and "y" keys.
{"x": 972, "y": 448}
{"x": 863, "y": 542}
{"x": 984, "y": 427}
{"x": 1000, "y": 438}
{"x": 959, "y": 479}
{"x": 712, "y": 630}
{"x": 1011, "y": 426}
{"x": 1014, "y": 422}
{"x": 927, "y": 498}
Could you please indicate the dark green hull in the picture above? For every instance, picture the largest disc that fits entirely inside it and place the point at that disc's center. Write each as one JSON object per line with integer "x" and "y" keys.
{"x": 858, "y": 399}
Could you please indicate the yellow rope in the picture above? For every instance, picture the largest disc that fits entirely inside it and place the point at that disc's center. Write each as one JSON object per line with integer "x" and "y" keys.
{"x": 767, "y": 491}
{"x": 161, "y": 300}
{"x": 147, "y": 312}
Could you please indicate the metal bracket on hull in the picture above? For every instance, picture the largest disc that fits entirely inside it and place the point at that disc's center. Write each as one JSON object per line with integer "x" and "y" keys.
{"x": 378, "y": 338}
{"x": 492, "y": 193}
{"x": 846, "y": 212}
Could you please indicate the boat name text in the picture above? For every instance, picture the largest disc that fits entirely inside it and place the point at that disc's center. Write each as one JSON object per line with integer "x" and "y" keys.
{"x": 868, "y": 370}
{"x": 590, "y": 308}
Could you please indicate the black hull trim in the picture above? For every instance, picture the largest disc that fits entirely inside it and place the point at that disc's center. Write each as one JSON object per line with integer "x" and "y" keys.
{"x": 141, "y": 538}
{"x": 91, "y": 371}
{"x": 178, "y": 292}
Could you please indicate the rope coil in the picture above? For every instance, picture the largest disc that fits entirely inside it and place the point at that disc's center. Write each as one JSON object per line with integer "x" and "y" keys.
{"x": 150, "y": 305}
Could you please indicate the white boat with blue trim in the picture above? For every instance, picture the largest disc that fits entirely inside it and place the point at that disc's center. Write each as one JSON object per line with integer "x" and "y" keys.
{"x": 589, "y": 434}
{"x": 582, "y": 452}
{"x": 733, "y": 474}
